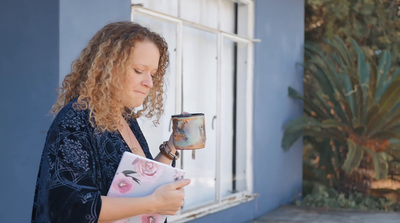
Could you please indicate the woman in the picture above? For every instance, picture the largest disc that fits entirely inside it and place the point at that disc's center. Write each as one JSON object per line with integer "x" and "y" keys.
{"x": 122, "y": 68}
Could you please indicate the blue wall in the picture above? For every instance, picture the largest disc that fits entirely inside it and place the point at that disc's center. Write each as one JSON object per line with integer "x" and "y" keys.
{"x": 80, "y": 20}
{"x": 28, "y": 79}
{"x": 281, "y": 30}
{"x": 39, "y": 40}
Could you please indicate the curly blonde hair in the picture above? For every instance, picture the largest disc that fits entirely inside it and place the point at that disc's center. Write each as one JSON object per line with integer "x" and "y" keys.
{"x": 97, "y": 76}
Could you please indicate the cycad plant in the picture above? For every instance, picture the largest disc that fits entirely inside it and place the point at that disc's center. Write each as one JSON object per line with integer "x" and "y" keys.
{"x": 351, "y": 113}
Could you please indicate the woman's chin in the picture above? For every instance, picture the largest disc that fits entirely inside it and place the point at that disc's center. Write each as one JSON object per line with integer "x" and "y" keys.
{"x": 135, "y": 105}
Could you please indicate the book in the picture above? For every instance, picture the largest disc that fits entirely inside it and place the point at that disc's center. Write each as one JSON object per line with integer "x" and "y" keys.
{"x": 137, "y": 176}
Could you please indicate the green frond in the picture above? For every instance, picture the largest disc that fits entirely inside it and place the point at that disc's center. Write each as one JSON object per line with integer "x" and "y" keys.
{"x": 354, "y": 156}
{"x": 393, "y": 121}
{"x": 332, "y": 123}
{"x": 386, "y": 135}
{"x": 329, "y": 88}
{"x": 302, "y": 122}
{"x": 338, "y": 44}
{"x": 347, "y": 109}
{"x": 295, "y": 128}
{"x": 289, "y": 138}
{"x": 389, "y": 82}
{"x": 294, "y": 94}
{"x": 382, "y": 73}
{"x": 390, "y": 97}
{"x": 381, "y": 167}
{"x": 394, "y": 150}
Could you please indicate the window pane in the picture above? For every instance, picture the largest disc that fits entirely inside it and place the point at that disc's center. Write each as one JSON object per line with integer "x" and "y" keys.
{"x": 156, "y": 135}
{"x": 233, "y": 129}
{"x": 227, "y": 16}
{"x": 169, "y": 7}
{"x": 204, "y": 12}
{"x": 199, "y": 95}
{"x": 227, "y": 103}
{"x": 241, "y": 63}
{"x": 243, "y": 20}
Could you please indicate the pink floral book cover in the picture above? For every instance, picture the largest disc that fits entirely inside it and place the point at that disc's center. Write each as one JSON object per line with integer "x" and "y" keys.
{"x": 137, "y": 176}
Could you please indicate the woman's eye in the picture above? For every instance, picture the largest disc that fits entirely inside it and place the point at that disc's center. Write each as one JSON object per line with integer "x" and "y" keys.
{"x": 138, "y": 71}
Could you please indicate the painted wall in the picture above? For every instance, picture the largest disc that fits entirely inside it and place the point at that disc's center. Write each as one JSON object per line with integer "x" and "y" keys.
{"x": 80, "y": 20}
{"x": 28, "y": 78}
{"x": 40, "y": 40}
{"x": 278, "y": 174}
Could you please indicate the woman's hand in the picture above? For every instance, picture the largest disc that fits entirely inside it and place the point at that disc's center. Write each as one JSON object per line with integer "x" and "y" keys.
{"x": 171, "y": 138}
{"x": 169, "y": 198}
{"x": 172, "y": 149}
{"x": 166, "y": 200}
{"x": 171, "y": 143}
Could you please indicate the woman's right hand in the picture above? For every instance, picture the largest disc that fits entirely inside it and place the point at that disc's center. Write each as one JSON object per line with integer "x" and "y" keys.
{"x": 169, "y": 198}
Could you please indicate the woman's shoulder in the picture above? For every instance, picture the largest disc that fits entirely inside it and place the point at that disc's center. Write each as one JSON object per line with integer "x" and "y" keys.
{"x": 72, "y": 116}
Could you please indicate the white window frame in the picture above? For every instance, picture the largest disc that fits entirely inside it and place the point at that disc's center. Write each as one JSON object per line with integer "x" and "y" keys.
{"x": 240, "y": 197}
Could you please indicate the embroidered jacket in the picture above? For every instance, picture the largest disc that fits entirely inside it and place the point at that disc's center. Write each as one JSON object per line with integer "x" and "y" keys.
{"x": 77, "y": 167}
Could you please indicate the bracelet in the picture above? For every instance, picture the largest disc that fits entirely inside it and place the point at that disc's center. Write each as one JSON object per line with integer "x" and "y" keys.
{"x": 168, "y": 154}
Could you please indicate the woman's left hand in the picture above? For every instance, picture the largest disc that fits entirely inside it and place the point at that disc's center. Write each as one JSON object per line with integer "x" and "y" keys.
{"x": 171, "y": 148}
{"x": 171, "y": 143}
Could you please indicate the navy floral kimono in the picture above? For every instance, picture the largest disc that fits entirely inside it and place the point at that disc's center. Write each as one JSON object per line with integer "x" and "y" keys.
{"x": 77, "y": 167}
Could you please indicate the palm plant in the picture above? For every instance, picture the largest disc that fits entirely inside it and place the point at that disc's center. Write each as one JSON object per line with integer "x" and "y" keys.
{"x": 351, "y": 110}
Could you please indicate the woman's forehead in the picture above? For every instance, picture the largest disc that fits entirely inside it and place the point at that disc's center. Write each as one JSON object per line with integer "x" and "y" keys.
{"x": 145, "y": 54}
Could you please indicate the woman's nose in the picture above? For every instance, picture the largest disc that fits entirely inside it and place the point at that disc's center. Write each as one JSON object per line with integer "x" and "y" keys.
{"x": 148, "y": 81}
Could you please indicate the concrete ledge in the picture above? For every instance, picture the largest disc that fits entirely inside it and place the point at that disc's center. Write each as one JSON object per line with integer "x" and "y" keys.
{"x": 286, "y": 214}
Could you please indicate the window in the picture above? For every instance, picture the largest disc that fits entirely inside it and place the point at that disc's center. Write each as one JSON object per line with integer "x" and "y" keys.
{"x": 210, "y": 72}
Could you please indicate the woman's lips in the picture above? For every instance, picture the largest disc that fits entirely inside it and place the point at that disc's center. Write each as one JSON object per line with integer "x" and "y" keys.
{"x": 140, "y": 92}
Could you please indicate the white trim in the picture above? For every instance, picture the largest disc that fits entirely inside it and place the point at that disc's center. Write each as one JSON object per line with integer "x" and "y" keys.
{"x": 159, "y": 15}
{"x": 219, "y": 124}
{"x": 169, "y": 18}
{"x": 242, "y": 2}
{"x": 226, "y": 203}
{"x": 219, "y": 15}
{"x": 250, "y": 21}
{"x": 178, "y": 81}
{"x": 179, "y": 8}
{"x": 236, "y": 38}
{"x": 249, "y": 100}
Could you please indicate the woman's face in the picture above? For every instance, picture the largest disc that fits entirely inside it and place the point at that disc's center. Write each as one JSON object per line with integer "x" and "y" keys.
{"x": 141, "y": 67}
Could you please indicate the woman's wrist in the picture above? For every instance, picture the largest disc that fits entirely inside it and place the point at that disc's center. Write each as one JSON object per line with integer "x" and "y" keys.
{"x": 153, "y": 203}
{"x": 172, "y": 147}
{"x": 167, "y": 151}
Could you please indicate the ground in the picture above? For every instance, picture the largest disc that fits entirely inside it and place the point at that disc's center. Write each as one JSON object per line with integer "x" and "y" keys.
{"x": 296, "y": 214}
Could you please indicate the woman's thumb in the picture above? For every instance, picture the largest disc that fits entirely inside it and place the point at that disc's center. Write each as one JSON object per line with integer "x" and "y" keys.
{"x": 181, "y": 183}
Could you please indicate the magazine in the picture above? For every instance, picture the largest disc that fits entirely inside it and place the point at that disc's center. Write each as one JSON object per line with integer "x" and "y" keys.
{"x": 137, "y": 176}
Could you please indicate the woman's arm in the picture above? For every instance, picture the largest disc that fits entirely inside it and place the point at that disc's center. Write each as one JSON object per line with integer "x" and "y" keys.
{"x": 116, "y": 208}
{"x": 165, "y": 200}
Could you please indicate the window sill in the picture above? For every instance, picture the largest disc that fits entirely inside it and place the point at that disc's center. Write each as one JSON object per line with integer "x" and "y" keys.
{"x": 201, "y": 211}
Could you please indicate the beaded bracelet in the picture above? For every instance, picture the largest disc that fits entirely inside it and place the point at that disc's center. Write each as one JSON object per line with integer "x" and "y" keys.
{"x": 168, "y": 154}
